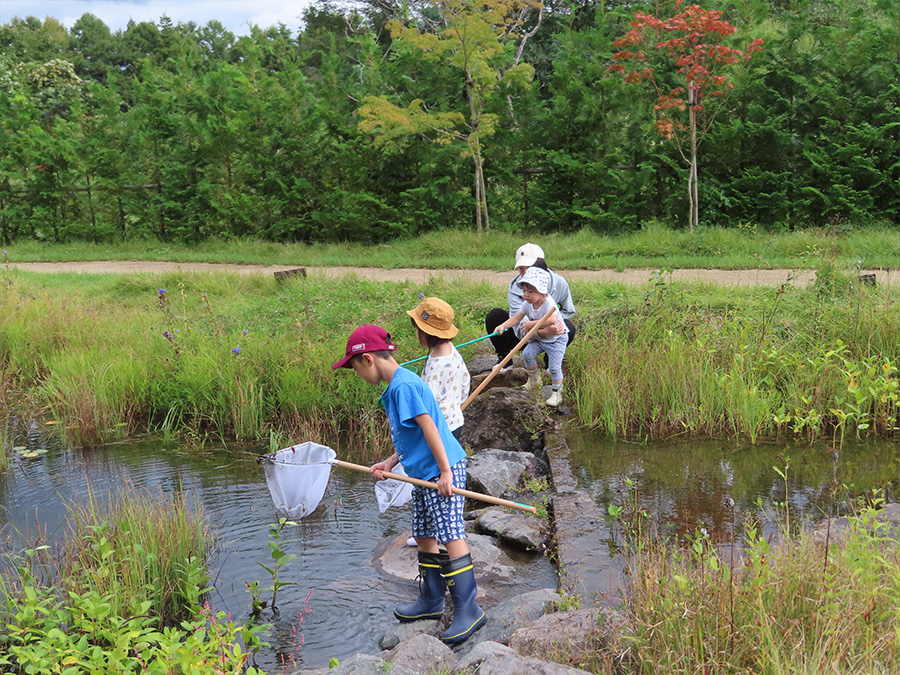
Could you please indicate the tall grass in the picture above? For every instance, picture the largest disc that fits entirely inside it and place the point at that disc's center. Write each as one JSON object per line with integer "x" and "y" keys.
{"x": 137, "y": 548}
{"x": 231, "y": 356}
{"x": 805, "y": 607}
{"x": 749, "y": 363}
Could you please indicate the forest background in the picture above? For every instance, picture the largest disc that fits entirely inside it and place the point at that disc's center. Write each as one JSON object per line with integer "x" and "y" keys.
{"x": 364, "y": 124}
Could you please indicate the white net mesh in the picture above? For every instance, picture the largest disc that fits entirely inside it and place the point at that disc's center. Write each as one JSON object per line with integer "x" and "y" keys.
{"x": 297, "y": 477}
{"x": 393, "y": 492}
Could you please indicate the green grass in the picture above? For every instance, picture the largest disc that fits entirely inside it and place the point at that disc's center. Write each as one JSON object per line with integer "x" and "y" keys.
{"x": 122, "y": 595}
{"x": 231, "y": 356}
{"x": 137, "y": 548}
{"x": 653, "y": 246}
{"x": 807, "y": 606}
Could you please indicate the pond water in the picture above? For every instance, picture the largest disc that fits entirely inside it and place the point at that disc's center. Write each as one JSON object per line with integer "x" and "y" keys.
{"x": 686, "y": 485}
{"x": 346, "y": 605}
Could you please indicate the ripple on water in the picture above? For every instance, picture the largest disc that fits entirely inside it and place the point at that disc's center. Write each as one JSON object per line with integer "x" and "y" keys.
{"x": 345, "y": 605}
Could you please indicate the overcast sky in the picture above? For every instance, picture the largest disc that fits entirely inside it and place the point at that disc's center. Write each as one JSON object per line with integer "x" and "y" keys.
{"x": 235, "y": 15}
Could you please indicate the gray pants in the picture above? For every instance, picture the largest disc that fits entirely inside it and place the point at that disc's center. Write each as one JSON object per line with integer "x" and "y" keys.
{"x": 556, "y": 350}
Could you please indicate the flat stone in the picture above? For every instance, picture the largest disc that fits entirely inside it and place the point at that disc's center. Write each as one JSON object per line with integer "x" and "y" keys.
{"x": 573, "y": 634}
{"x": 518, "y": 529}
{"x": 360, "y": 664}
{"x": 508, "y": 616}
{"x": 500, "y": 473}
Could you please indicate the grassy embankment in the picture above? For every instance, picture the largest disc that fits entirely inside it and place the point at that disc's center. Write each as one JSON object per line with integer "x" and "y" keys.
{"x": 244, "y": 357}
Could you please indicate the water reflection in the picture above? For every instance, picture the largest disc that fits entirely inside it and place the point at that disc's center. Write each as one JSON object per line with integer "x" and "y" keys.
{"x": 686, "y": 485}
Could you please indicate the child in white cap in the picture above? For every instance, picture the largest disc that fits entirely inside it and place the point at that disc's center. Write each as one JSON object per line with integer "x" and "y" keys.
{"x": 527, "y": 255}
{"x": 552, "y": 338}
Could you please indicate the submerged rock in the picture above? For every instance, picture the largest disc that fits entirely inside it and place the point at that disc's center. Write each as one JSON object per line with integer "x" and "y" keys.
{"x": 395, "y": 560}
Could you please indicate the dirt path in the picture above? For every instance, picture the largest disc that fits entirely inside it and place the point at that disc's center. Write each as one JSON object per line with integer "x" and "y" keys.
{"x": 762, "y": 277}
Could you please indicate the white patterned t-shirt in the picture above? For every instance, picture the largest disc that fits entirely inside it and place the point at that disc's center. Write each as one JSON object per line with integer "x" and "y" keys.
{"x": 448, "y": 378}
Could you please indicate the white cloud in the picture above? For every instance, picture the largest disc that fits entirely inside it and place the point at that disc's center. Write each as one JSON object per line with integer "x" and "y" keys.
{"x": 235, "y": 15}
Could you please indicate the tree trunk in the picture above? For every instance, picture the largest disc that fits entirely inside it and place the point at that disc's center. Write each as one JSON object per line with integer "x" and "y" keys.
{"x": 484, "y": 206}
{"x": 475, "y": 148}
{"x": 693, "y": 194}
{"x": 477, "y": 193}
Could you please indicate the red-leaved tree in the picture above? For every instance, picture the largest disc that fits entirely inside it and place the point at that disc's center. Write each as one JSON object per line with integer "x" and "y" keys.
{"x": 693, "y": 39}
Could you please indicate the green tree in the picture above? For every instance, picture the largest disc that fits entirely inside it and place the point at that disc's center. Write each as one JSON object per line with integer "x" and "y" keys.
{"x": 94, "y": 49}
{"x": 478, "y": 42}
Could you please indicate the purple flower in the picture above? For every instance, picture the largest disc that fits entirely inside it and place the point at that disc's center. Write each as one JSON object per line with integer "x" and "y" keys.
{"x": 161, "y": 291}
{"x": 236, "y": 350}
{"x": 246, "y": 330}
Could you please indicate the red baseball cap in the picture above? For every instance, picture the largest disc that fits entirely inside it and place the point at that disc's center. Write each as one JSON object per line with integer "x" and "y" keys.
{"x": 367, "y": 338}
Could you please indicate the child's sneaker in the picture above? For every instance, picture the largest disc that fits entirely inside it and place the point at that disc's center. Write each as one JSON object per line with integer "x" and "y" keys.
{"x": 506, "y": 367}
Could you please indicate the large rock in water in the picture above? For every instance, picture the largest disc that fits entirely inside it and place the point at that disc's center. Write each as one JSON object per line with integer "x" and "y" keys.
{"x": 506, "y": 419}
{"x": 501, "y": 473}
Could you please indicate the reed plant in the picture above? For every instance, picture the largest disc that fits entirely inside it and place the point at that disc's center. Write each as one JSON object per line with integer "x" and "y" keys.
{"x": 136, "y": 548}
{"x": 802, "y": 607}
{"x": 232, "y": 356}
{"x": 756, "y": 363}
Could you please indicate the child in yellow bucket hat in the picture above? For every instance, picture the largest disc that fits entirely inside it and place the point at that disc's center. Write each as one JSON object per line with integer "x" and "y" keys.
{"x": 445, "y": 372}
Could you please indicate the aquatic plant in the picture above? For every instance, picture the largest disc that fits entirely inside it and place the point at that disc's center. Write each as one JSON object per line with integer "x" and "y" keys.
{"x": 279, "y": 559}
{"x": 695, "y": 607}
{"x": 92, "y": 606}
{"x": 137, "y": 547}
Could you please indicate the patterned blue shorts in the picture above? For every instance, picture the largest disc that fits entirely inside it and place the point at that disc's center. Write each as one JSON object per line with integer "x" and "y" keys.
{"x": 440, "y": 517}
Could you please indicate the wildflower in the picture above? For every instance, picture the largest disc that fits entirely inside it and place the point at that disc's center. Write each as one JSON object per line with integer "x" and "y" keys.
{"x": 246, "y": 330}
{"x": 161, "y": 291}
{"x": 236, "y": 350}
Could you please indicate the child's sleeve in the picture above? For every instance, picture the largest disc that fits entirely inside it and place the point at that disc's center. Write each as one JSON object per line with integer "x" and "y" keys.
{"x": 409, "y": 404}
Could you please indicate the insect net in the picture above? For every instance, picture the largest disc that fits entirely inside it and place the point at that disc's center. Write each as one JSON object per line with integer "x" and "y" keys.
{"x": 297, "y": 477}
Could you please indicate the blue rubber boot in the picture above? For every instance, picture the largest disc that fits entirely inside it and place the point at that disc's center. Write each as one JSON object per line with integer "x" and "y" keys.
{"x": 467, "y": 615}
{"x": 430, "y": 603}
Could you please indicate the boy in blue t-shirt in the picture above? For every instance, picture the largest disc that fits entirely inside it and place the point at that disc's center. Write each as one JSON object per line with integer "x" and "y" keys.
{"x": 429, "y": 451}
